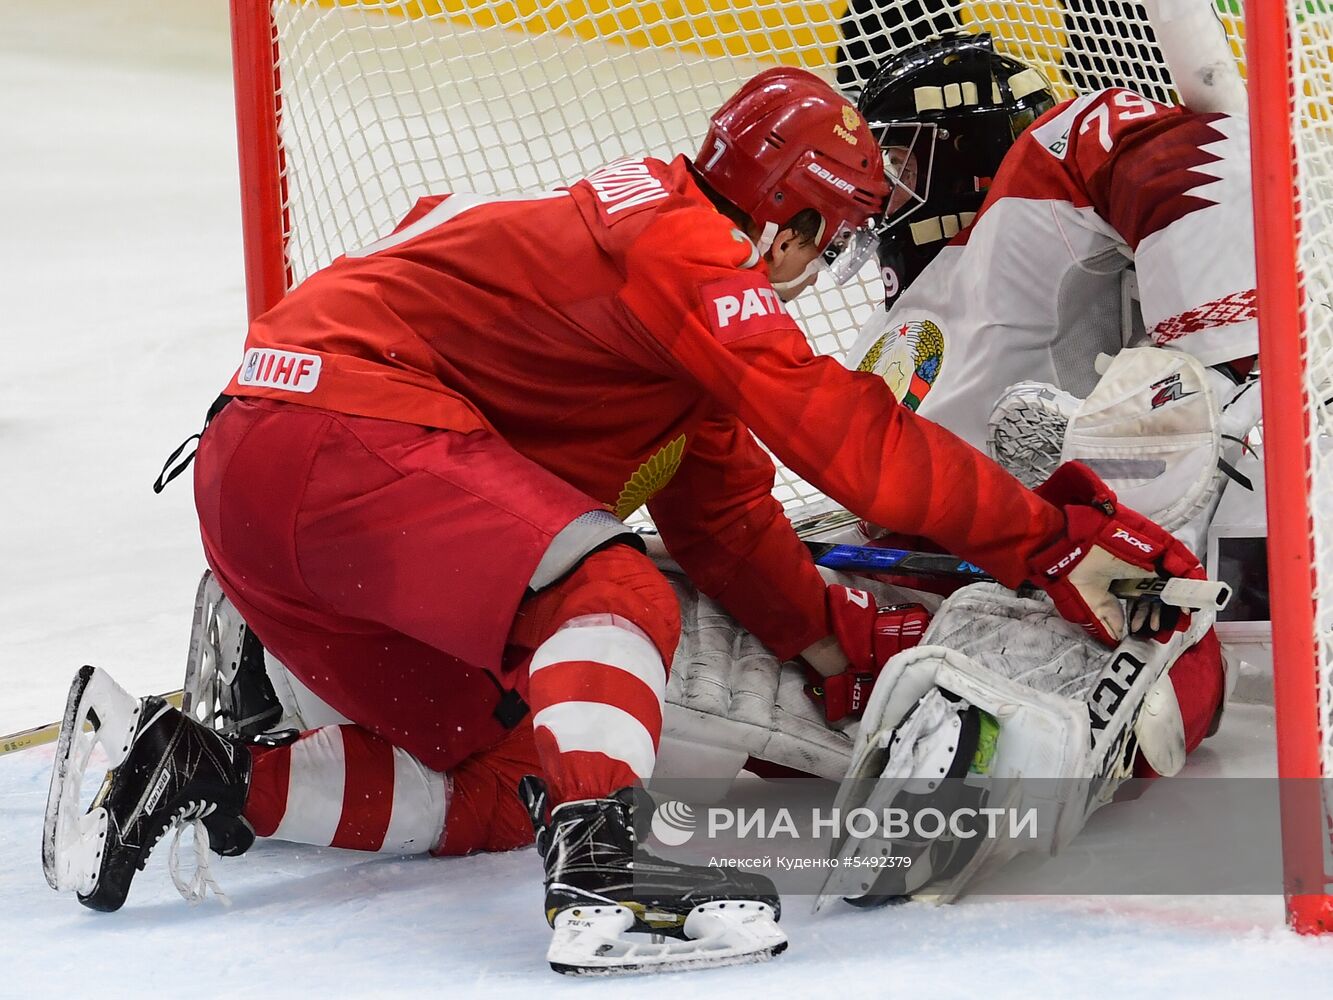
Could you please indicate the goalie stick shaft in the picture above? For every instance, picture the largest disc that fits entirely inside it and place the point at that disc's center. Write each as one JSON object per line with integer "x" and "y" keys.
{"x": 49, "y": 733}
{"x": 1209, "y": 595}
{"x": 1200, "y": 594}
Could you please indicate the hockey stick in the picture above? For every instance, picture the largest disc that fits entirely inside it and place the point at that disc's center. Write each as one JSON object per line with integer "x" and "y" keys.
{"x": 49, "y": 733}
{"x": 1201, "y": 595}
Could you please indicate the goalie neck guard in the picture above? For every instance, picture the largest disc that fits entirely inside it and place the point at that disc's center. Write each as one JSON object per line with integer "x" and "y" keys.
{"x": 956, "y": 106}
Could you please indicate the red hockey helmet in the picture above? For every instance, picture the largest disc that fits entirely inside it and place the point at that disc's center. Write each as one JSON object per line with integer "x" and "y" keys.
{"x": 787, "y": 141}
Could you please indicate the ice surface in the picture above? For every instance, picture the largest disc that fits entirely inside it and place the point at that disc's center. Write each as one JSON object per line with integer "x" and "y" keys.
{"x": 122, "y": 313}
{"x": 321, "y": 922}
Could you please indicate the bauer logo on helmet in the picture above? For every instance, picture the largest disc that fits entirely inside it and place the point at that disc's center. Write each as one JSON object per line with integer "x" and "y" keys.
{"x": 832, "y": 178}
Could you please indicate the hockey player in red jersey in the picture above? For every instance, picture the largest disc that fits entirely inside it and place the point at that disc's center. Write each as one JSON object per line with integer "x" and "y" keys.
{"x": 414, "y": 497}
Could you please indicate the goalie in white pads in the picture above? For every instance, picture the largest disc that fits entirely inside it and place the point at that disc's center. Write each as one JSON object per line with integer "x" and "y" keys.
{"x": 1048, "y": 235}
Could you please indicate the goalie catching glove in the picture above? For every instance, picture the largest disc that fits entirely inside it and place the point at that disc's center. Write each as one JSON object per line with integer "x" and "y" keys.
{"x": 868, "y": 636}
{"x": 1103, "y": 542}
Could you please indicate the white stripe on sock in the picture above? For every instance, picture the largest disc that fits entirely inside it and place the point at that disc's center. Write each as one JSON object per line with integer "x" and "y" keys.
{"x": 608, "y": 640}
{"x": 315, "y": 788}
{"x": 420, "y": 803}
{"x": 592, "y": 726}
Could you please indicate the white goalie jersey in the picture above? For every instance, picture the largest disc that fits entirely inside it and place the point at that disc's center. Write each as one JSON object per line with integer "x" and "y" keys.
{"x": 1041, "y": 283}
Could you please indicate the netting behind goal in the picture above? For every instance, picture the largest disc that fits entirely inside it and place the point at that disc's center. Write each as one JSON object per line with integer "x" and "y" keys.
{"x": 381, "y": 101}
{"x": 349, "y": 110}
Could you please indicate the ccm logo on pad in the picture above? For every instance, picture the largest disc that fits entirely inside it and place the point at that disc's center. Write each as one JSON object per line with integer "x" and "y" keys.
{"x": 1138, "y": 543}
{"x": 743, "y": 306}
{"x": 280, "y": 370}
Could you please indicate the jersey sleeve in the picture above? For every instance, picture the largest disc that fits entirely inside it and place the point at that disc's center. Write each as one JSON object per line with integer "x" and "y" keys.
{"x": 840, "y": 430}
{"x": 720, "y": 522}
{"x": 1174, "y": 186}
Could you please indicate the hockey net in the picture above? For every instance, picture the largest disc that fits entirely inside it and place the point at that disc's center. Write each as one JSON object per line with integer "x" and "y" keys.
{"x": 381, "y": 101}
{"x": 349, "y": 110}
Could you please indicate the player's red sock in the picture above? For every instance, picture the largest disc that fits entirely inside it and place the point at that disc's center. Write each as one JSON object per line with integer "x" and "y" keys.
{"x": 603, "y": 639}
{"x": 342, "y": 786}
{"x": 596, "y": 695}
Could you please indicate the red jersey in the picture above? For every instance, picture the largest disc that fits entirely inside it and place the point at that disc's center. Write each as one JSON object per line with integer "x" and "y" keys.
{"x": 623, "y": 334}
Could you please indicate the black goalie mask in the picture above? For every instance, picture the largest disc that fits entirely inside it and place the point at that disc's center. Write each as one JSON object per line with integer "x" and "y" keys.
{"x": 945, "y": 113}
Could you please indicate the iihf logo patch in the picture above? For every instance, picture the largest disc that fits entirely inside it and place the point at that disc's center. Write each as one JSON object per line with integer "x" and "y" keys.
{"x": 280, "y": 369}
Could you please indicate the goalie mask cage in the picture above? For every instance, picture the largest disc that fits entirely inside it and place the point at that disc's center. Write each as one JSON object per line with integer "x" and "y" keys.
{"x": 348, "y": 110}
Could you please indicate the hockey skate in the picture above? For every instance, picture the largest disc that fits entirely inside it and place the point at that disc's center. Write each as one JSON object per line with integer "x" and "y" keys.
{"x": 226, "y": 687}
{"x": 166, "y": 770}
{"x": 598, "y": 894}
{"x": 1026, "y": 430}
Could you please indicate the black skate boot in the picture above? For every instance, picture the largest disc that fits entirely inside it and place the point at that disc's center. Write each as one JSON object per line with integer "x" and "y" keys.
{"x": 600, "y": 887}
{"x": 166, "y": 770}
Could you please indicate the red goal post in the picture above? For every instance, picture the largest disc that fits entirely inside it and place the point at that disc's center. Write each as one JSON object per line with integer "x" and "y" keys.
{"x": 1290, "y": 57}
{"x": 347, "y": 110}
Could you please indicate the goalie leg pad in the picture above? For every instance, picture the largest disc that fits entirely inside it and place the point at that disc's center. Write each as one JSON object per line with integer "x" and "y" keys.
{"x": 1069, "y": 719}
{"x": 945, "y": 733}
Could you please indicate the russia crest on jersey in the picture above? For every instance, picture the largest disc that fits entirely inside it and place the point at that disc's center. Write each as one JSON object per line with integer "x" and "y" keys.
{"x": 742, "y": 307}
{"x": 908, "y": 356}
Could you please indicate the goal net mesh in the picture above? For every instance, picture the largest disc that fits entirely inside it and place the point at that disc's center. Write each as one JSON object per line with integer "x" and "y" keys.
{"x": 383, "y": 101}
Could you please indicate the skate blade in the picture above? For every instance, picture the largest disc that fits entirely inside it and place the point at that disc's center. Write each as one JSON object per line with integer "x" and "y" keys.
{"x": 73, "y": 838}
{"x": 595, "y": 941}
{"x": 199, "y": 692}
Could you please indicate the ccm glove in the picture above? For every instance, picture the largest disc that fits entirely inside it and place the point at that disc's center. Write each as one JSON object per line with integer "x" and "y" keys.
{"x": 868, "y": 636}
{"x": 1103, "y": 542}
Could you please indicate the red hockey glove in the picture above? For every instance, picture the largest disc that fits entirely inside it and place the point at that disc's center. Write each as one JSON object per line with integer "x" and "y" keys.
{"x": 1102, "y": 542}
{"x": 868, "y": 636}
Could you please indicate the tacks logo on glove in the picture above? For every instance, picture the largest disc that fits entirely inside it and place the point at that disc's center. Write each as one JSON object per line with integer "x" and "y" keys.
{"x": 1122, "y": 535}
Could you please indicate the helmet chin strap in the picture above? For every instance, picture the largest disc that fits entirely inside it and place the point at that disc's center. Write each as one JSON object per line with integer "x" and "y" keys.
{"x": 766, "y": 238}
{"x": 794, "y": 285}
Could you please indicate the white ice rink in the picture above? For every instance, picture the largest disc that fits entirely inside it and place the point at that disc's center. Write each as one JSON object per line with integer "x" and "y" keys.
{"x": 122, "y": 314}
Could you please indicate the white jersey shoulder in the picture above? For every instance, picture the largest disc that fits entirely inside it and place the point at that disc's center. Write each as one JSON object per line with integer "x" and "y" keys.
{"x": 1041, "y": 283}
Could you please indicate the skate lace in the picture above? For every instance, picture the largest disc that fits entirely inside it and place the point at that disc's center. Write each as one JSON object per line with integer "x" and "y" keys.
{"x": 196, "y": 887}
